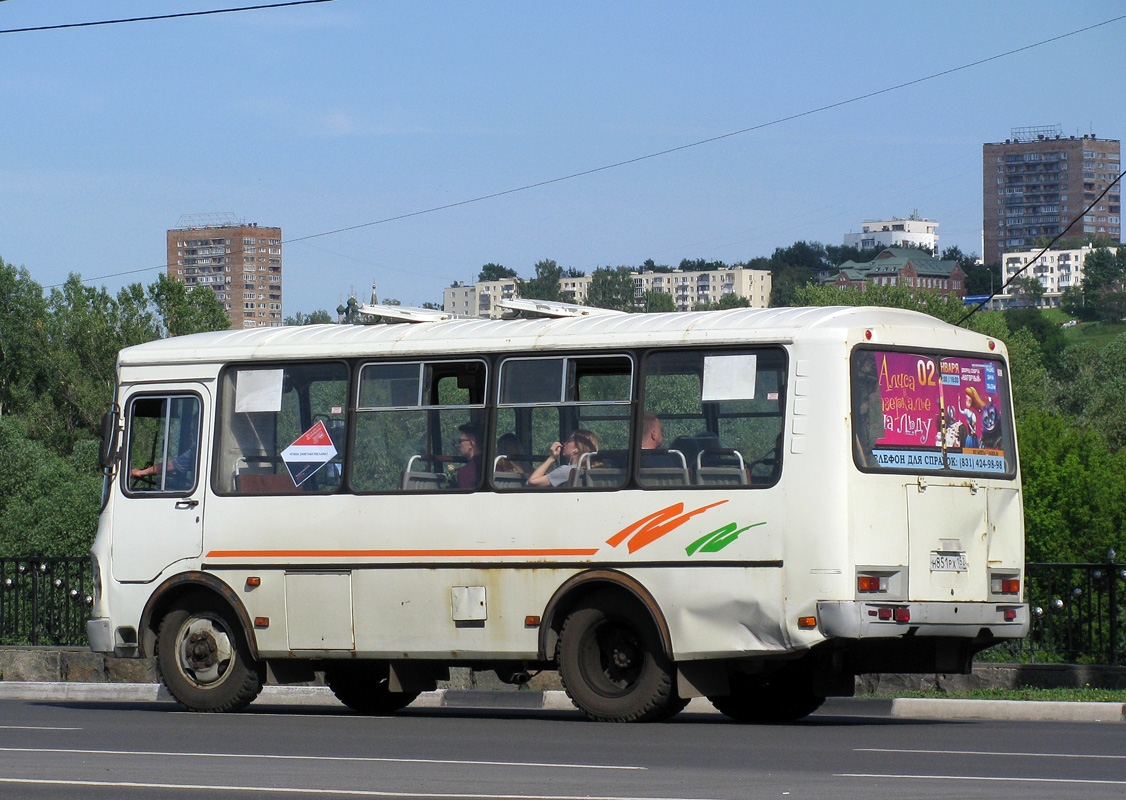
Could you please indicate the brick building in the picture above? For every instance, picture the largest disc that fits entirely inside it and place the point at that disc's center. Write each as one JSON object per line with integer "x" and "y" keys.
{"x": 241, "y": 263}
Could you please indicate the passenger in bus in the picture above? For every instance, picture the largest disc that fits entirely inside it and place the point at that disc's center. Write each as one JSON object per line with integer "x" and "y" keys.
{"x": 652, "y": 437}
{"x": 507, "y": 445}
{"x": 578, "y": 443}
{"x": 469, "y": 445}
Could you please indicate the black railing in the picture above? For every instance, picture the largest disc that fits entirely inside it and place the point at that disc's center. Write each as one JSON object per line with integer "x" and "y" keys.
{"x": 44, "y": 601}
{"x": 1077, "y": 611}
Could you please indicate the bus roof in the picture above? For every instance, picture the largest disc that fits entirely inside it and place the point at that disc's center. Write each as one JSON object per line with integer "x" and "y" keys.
{"x": 468, "y": 336}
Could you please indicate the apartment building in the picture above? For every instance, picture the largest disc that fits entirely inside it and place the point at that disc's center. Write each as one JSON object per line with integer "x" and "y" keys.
{"x": 912, "y": 232}
{"x": 240, "y": 262}
{"x": 687, "y": 289}
{"x": 1056, "y": 270}
{"x": 1037, "y": 181}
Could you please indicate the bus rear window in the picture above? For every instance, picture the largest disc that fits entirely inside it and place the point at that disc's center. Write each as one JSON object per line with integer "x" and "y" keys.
{"x": 925, "y": 412}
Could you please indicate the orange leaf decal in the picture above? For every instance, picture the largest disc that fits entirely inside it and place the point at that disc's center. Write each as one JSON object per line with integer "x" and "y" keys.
{"x": 648, "y": 529}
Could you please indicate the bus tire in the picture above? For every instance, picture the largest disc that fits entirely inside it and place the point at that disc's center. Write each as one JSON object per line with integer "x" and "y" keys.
{"x": 782, "y": 697}
{"x": 612, "y": 665}
{"x": 364, "y": 688}
{"x": 203, "y": 659}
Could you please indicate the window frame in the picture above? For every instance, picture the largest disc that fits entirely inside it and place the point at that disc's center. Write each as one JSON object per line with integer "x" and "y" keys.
{"x": 128, "y": 443}
{"x": 221, "y": 388}
{"x": 937, "y": 355}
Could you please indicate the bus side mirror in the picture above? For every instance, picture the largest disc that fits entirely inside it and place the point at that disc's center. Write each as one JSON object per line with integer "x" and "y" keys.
{"x": 107, "y": 448}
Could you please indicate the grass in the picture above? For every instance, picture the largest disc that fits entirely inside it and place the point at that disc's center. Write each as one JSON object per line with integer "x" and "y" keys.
{"x": 1098, "y": 332}
{"x": 1084, "y": 695}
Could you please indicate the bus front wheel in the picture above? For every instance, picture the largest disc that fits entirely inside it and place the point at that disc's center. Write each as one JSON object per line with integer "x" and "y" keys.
{"x": 365, "y": 688}
{"x": 612, "y": 664}
{"x": 203, "y": 659}
{"x": 784, "y": 696}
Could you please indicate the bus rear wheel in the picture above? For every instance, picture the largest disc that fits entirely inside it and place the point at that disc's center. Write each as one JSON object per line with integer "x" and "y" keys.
{"x": 612, "y": 664}
{"x": 203, "y": 658}
{"x": 784, "y": 696}
{"x": 364, "y": 687}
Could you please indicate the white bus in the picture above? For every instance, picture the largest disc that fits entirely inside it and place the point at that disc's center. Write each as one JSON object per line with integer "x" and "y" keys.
{"x": 755, "y": 506}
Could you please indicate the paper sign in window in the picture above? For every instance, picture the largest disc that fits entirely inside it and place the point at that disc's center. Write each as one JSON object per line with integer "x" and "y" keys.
{"x": 259, "y": 390}
{"x": 729, "y": 378}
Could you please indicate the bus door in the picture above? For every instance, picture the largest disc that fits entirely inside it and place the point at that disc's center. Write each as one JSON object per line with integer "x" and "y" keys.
{"x": 158, "y": 517}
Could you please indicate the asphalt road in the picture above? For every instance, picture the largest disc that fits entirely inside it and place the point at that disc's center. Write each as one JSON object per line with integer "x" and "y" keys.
{"x": 70, "y": 749}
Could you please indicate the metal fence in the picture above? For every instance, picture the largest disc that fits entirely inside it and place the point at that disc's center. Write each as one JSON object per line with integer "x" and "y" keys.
{"x": 1077, "y": 611}
{"x": 44, "y": 601}
{"x": 1077, "y": 614}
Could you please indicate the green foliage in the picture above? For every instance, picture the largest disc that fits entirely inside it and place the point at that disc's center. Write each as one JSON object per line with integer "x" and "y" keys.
{"x": 611, "y": 288}
{"x": 1094, "y": 387}
{"x": 545, "y": 286}
{"x": 48, "y": 503}
{"x": 1046, "y": 332}
{"x": 495, "y": 272}
{"x": 318, "y": 317}
{"x": 1074, "y": 488}
{"x": 1104, "y": 292}
{"x": 655, "y": 302}
{"x": 786, "y": 283}
{"x": 184, "y": 310}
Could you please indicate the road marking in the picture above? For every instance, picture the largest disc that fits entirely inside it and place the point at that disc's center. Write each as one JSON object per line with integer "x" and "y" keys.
{"x": 979, "y": 778}
{"x": 35, "y": 728}
{"x": 338, "y": 792}
{"x": 458, "y": 762}
{"x": 983, "y": 753}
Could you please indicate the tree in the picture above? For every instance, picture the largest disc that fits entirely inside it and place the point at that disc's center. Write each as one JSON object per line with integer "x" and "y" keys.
{"x": 785, "y": 284}
{"x": 699, "y": 265}
{"x": 1047, "y": 333}
{"x": 1094, "y": 377}
{"x": 183, "y": 310}
{"x": 23, "y": 314}
{"x": 611, "y": 288}
{"x": 733, "y": 300}
{"x": 318, "y": 317}
{"x": 1103, "y": 277}
{"x": 655, "y": 302}
{"x": 545, "y": 286}
{"x": 980, "y": 278}
{"x": 1026, "y": 291}
{"x": 495, "y": 272}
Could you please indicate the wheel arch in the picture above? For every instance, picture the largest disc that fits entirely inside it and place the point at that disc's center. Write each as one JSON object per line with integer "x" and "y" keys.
{"x": 579, "y": 587}
{"x": 182, "y": 585}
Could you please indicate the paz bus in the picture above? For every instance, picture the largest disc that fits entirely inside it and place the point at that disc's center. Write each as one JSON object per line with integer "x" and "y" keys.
{"x": 828, "y": 492}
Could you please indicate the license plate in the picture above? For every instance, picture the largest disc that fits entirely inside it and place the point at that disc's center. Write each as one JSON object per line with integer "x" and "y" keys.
{"x": 948, "y": 562}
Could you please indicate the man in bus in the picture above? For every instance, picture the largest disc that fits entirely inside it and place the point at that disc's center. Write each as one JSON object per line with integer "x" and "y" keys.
{"x": 652, "y": 437}
{"x": 469, "y": 445}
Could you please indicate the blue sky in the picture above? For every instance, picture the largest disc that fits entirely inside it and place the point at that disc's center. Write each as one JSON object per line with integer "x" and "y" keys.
{"x": 329, "y": 116}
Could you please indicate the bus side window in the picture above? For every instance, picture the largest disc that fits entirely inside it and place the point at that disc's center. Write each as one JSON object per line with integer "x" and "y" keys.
{"x": 163, "y": 452}
{"x": 721, "y": 414}
{"x": 281, "y": 429}
{"x": 566, "y": 399}
{"x": 419, "y": 426}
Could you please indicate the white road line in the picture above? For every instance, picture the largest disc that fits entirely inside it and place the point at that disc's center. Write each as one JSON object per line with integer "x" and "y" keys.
{"x": 458, "y": 762}
{"x": 1008, "y": 779}
{"x": 35, "y": 728}
{"x": 345, "y": 792}
{"x": 983, "y": 753}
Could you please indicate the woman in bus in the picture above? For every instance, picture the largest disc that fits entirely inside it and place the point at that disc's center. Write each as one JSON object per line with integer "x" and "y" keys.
{"x": 578, "y": 443}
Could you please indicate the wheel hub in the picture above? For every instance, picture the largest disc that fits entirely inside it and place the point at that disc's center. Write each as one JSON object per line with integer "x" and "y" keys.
{"x": 202, "y": 650}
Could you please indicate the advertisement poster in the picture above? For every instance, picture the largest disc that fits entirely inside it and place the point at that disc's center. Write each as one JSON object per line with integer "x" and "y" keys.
{"x": 939, "y": 413}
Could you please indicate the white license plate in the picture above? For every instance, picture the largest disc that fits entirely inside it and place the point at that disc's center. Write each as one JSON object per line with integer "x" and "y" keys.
{"x": 948, "y": 562}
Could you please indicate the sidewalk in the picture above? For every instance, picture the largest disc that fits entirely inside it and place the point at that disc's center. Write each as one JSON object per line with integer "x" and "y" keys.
{"x": 553, "y": 700}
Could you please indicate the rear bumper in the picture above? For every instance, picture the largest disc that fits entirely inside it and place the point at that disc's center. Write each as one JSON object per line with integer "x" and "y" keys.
{"x": 100, "y": 635}
{"x": 861, "y": 620}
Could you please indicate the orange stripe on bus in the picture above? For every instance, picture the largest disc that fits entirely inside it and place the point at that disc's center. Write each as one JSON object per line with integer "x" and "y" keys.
{"x": 391, "y": 553}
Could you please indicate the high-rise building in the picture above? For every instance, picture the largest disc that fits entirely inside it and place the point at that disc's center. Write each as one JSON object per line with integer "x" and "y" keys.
{"x": 240, "y": 262}
{"x": 1038, "y": 180}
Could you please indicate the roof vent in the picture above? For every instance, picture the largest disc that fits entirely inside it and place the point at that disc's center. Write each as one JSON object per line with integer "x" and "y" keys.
{"x": 550, "y": 308}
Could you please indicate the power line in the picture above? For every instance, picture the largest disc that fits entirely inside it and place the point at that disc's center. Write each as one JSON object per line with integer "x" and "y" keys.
{"x": 162, "y": 16}
{"x": 699, "y": 143}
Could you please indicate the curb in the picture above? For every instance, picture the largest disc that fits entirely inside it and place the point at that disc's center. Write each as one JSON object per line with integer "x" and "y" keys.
{"x": 900, "y": 707}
